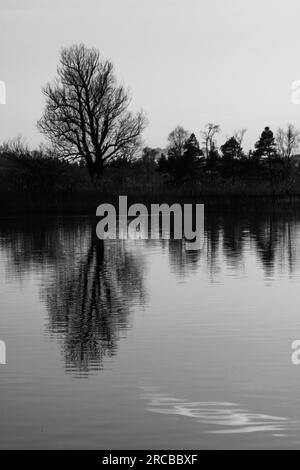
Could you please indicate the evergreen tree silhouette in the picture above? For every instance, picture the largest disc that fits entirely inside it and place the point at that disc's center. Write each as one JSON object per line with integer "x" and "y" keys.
{"x": 231, "y": 154}
{"x": 231, "y": 149}
{"x": 182, "y": 166}
{"x": 266, "y": 145}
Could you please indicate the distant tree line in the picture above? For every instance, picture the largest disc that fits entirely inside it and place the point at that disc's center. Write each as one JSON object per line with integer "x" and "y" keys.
{"x": 94, "y": 143}
{"x": 185, "y": 164}
{"x": 186, "y": 161}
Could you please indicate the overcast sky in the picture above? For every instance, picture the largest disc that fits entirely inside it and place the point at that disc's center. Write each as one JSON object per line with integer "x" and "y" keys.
{"x": 188, "y": 62}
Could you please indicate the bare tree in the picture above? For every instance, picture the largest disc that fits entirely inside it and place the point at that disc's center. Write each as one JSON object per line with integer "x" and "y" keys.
{"x": 287, "y": 140}
{"x": 16, "y": 146}
{"x": 239, "y": 135}
{"x": 208, "y": 136}
{"x": 177, "y": 139}
{"x": 86, "y": 114}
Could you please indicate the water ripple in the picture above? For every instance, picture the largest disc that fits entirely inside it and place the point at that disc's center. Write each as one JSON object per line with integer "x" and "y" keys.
{"x": 222, "y": 417}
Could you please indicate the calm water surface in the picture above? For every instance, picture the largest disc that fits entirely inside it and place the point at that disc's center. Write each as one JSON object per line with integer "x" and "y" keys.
{"x": 141, "y": 344}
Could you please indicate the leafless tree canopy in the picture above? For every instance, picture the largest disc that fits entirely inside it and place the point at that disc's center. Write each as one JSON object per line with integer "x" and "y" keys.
{"x": 16, "y": 146}
{"x": 287, "y": 141}
{"x": 86, "y": 113}
{"x": 177, "y": 139}
{"x": 208, "y": 136}
{"x": 239, "y": 135}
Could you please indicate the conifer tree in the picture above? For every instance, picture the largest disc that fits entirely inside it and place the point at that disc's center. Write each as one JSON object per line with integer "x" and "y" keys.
{"x": 266, "y": 145}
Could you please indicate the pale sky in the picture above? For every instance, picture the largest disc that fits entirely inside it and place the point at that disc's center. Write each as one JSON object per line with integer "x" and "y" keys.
{"x": 188, "y": 62}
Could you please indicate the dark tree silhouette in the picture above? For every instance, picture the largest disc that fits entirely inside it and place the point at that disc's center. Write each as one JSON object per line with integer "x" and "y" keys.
{"x": 177, "y": 139}
{"x": 231, "y": 149}
{"x": 266, "y": 145}
{"x": 271, "y": 165}
{"x": 232, "y": 152}
{"x": 212, "y": 162}
{"x": 193, "y": 160}
{"x": 208, "y": 136}
{"x": 183, "y": 162}
{"x": 86, "y": 114}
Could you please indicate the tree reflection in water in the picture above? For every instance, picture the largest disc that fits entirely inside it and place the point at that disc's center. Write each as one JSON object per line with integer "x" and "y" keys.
{"x": 90, "y": 299}
{"x": 90, "y": 287}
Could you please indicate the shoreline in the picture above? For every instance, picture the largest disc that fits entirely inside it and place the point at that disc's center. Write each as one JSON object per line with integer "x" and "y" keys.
{"x": 86, "y": 204}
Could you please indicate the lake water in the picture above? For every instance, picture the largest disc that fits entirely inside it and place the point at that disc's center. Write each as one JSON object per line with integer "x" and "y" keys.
{"x": 141, "y": 344}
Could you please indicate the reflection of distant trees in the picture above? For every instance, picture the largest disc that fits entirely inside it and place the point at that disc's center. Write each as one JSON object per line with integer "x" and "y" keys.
{"x": 212, "y": 235}
{"x": 268, "y": 234}
{"x": 31, "y": 244}
{"x": 233, "y": 238}
{"x": 89, "y": 285}
{"x": 182, "y": 261}
{"x": 43, "y": 243}
{"x": 229, "y": 237}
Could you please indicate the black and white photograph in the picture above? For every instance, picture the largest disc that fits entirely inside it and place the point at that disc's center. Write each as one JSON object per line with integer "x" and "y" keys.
{"x": 149, "y": 228}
